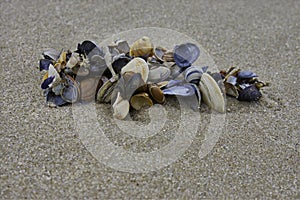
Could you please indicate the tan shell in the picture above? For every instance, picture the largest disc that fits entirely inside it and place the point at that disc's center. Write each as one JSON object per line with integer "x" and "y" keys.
{"x": 120, "y": 107}
{"x": 231, "y": 90}
{"x": 105, "y": 91}
{"x": 168, "y": 56}
{"x": 211, "y": 93}
{"x": 141, "y": 100}
{"x": 88, "y": 88}
{"x": 137, "y": 65}
{"x": 157, "y": 94}
{"x": 142, "y": 47}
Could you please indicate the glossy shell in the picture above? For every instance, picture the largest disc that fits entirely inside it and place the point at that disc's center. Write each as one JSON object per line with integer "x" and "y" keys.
{"x": 143, "y": 47}
{"x": 140, "y": 101}
{"x": 211, "y": 93}
{"x": 186, "y": 54}
{"x": 157, "y": 94}
{"x": 193, "y": 74}
{"x": 105, "y": 91}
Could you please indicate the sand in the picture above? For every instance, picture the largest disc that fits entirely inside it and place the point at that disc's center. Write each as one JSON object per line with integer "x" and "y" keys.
{"x": 256, "y": 154}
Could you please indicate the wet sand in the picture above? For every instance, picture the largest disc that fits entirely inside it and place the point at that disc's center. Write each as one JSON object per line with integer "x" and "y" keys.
{"x": 257, "y": 152}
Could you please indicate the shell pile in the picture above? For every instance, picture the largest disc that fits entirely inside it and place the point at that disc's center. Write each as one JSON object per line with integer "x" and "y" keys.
{"x": 139, "y": 75}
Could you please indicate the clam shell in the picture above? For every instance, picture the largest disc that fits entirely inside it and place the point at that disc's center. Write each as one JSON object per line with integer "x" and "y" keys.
{"x": 140, "y": 101}
{"x": 250, "y": 93}
{"x": 142, "y": 47}
{"x": 105, "y": 91}
{"x": 211, "y": 93}
{"x": 71, "y": 92}
{"x": 157, "y": 94}
{"x": 186, "y": 54}
{"x": 120, "y": 107}
{"x": 88, "y": 88}
{"x": 137, "y": 65}
{"x": 193, "y": 74}
{"x": 245, "y": 74}
{"x": 180, "y": 90}
{"x": 159, "y": 53}
{"x": 158, "y": 74}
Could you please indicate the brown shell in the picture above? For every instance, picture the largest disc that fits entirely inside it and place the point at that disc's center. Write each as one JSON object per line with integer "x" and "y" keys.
{"x": 143, "y": 47}
{"x": 157, "y": 94}
{"x": 141, "y": 100}
{"x": 88, "y": 88}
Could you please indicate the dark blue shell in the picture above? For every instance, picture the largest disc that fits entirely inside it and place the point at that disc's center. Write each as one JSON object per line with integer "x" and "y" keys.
{"x": 250, "y": 93}
{"x": 56, "y": 99}
{"x": 44, "y": 64}
{"x": 186, "y": 54}
{"x": 47, "y": 82}
{"x": 245, "y": 74}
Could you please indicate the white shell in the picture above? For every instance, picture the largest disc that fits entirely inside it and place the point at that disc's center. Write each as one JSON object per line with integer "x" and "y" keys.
{"x": 211, "y": 93}
{"x": 158, "y": 74}
{"x": 137, "y": 65}
{"x": 120, "y": 107}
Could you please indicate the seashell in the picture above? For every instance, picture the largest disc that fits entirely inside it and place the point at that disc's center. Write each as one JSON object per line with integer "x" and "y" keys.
{"x": 193, "y": 74}
{"x": 105, "y": 91}
{"x": 119, "y": 62}
{"x": 141, "y": 100}
{"x": 250, "y": 93}
{"x": 51, "y": 54}
{"x": 58, "y": 89}
{"x": 186, "y": 54}
{"x": 157, "y": 94}
{"x": 97, "y": 65}
{"x": 89, "y": 48}
{"x": 52, "y": 72}
{"x": 197, "y": 92}
{"x": 129, "y": 83}
{"x": 158, "y": 74}
{"x": 57, "y": 100}
{"x": 120, "y": 107}
{"x": 176, "y": 71}
{"x": 137, "y": 65}
{"x": 159, "y": 53}
{"x": 142, "y": 47}
{"x": 88, "y": 88}
{"x": 47, "y": 82}
{"x": 73, "y": 60}
{"x": 122, "y": 46}
{"x": 162, "y": 84}
{"x": 231, "y": 90}
{"x": 232, "y": 72}
{"x": 44, "y": 64}
{"x": 245, "y": 74}
{"x": 62, "y": 58}
{"x": 260, "y": 84}
{"x": 168, "y": 56}
{"x": 211, "y": 93}
{"x": 71, "y": 92}
{"x": 180, "y": 90}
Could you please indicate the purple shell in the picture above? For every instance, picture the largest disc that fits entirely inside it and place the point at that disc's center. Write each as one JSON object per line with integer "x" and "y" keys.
{"x": 246, "y": 74}
{"x": 250, "y": 93}
{"x": 186, "y": 54}
{"x": 180, "y": 90}
{"x": 47, "y": 82}
{"x": 44, "y": 64}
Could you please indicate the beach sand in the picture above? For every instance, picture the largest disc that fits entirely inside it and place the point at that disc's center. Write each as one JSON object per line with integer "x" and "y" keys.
{"x": 256, "y": 155}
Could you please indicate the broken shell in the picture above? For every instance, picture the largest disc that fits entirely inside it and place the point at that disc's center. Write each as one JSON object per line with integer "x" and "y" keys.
{"x": 122, "y": 46}
{"x": 142, "y": 47}
{"x": 120, "y": 107}
{"x": 211, "y": 93}
{"x": 88, "y": 88}
{"x": 250, "y": 93}
{"x": 137, "y": 65}
{"x": 105, "y": 91}
{"x": 51, "y": 54}
{"x": 73, "y": 60}
{"x": 157, "y": 94}
{"x": 71, "y": 92}
{"x": 44, "y": 64}
{"x": 158, "y": 74}
{"x": 186, "y": 54}
{"x": 140, "y": 101}
{"x": 52, "y": 72}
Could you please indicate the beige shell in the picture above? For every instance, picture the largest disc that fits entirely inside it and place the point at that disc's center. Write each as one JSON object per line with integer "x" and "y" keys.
{"x": 142, "y": 47}
{"x": 120, "y": 107}
{"x": 158, "y": 74}
{"x": 211, "y": 93}
{"x": 141, "y": 100}
{"x": 137, "y": 65}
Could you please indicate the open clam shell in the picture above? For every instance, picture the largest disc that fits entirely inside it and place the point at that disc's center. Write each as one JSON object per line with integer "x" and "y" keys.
{"x": 186, "y": 54}
{"x": 141, "y": 100}
{"x": 137, "y": 65}
{"x": 157, "y": 94}
{"x": 211, "y": 93}
{"x": 142, "y": 47}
